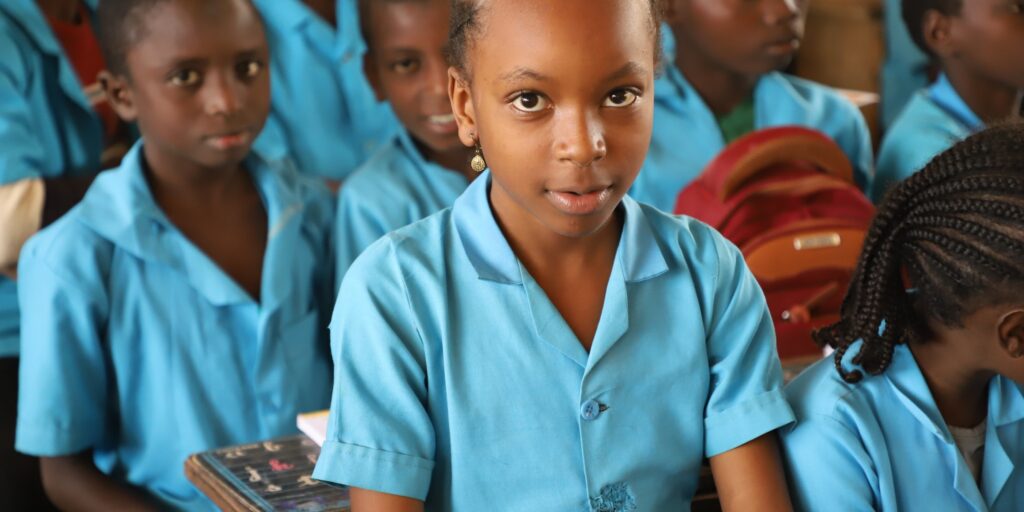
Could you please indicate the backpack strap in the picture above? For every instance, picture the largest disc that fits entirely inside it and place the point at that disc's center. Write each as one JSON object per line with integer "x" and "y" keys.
{"x": 763, "y": 149}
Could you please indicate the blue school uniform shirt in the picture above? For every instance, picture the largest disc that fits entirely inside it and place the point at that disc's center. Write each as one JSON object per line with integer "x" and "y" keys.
{"x": 396, "y": 187}
{"x": 457, "y": 380}
{"x": 934, "y": 120}
{"x": 687, "y": 137}
{"x": 324, "y": 115}
{"x": 137, "y": 346}
{"x": 882, "y": 444}
{"x": 48, "y": 129}
{"x": 905, "y": 69}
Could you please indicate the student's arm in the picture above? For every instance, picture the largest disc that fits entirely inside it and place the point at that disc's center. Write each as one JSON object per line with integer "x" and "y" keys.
{"x": 750, "y": 477}
{"x": 745, "y": 403}
{"x": 829, "y": 467}
{"x": 74, "y": 484}
{"x": 370, "y": 501}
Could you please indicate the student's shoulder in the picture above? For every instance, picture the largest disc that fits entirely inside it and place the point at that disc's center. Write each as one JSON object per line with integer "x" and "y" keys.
{"x": 68, "y": 250}
{"x": 417, "y": 247}
{"x": 820, "y": 392}
{"x": 686, "y": 239}
{"x": 15, "y": 49}
{"x": 815, "y": 93}
{"x": 385, "y": 173}
{"x": 309, "y": 190}
{"x": 924, "y": 122}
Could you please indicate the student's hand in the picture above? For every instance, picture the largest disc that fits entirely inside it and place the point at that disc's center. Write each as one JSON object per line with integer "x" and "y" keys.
{"x": 750, "y": 477}
{"x": 74, "y": 484}
{"x": 363, "y": 500}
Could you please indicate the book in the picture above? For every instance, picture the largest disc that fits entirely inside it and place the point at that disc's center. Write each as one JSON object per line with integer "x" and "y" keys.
{"x": 274, "y": 475}
{"x": 314, "y": 425}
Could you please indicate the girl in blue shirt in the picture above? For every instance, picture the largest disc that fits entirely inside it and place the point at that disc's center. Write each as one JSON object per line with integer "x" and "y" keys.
{"x": 922, "y": 407}
{"x": 548, "y": 343}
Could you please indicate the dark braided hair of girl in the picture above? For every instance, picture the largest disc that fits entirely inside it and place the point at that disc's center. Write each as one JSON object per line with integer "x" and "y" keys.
{"x": 465, "y": 26}
{"x": 953, "y": 233}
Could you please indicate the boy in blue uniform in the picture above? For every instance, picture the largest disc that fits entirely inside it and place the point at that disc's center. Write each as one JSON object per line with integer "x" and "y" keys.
{"x": 324, "y": 114}
{"x": 425, "y": 166}
{"x": 979, "y": 47}
{"x": 56, "y": 133}
{"x": 722, "y": 86}
{"x": 925, "y": 412}
{"x": 179, "y": 306}
{"x": 513, "y": 352}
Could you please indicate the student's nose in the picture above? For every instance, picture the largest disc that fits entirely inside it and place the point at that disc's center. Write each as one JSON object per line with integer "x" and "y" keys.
{"x": 580, "y": 138}
{"x": 779, "y": 11}
{"x": 223, "y": 96}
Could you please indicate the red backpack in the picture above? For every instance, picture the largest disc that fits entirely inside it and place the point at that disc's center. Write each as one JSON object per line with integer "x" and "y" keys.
{"x": 786, "y": 197}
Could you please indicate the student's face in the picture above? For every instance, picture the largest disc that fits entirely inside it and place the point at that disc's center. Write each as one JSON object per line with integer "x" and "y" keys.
{"x": 745, "y": 37}
{"x": 561, "y": 98}
{"x": 198, "y": 83}
{"x": 988, "y": 38}
{"x": 406, "y": 66}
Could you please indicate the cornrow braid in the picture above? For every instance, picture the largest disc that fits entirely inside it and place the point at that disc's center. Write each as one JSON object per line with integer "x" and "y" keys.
{"x": 955, "y": 230}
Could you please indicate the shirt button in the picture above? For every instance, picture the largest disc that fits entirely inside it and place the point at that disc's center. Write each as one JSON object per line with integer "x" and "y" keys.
{"x": 590, "y": 410}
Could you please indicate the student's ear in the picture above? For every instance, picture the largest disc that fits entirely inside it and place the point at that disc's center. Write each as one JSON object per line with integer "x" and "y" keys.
{"x": 938, "y": 34}
{"x": 119, "y": 95}
{"x": 370, "y": 70}
{"x": 1011, "y": 333}
{"x": 671, "y": 11}
{"x": 462, "y": 106}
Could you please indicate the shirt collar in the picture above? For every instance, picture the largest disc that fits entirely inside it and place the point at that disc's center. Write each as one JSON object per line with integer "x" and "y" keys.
{"x": 120, "y": 207}
{"x": 946, "y": 97}
{"x": 493, "y": 258}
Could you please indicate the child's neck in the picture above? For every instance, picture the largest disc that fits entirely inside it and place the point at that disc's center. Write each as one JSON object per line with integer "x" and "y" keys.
{"x": 190, "y": 184}
{"x": 326, "y": 9}
{"x": 989, "y": 100}
{"x": 456, "y": 160}
{"x": 721, "y": 89}
{"x": 960, "y": 389}
{"x": 62, "y": 10}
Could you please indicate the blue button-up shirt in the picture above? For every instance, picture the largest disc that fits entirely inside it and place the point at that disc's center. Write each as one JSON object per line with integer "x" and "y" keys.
{"x": 139, "y": 347}
{"x": 459, "y": 383}
{"x": 934, "y": 120}
{"x": 882, "y": 444}
{"x": 48, "y": 129}
{"x": 324, "y": 115}
{"x": 397, "y": 186}
{"x": 687, "y": 137}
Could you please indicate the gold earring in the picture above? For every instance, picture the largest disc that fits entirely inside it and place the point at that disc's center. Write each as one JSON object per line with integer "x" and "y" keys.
{"x": 478, "y": 163}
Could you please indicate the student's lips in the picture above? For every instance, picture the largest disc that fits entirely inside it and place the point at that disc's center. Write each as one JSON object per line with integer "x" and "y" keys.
{"x": 784, "y": 46}
{"x": 442, "y": 124}
{"x": 579, "y": 202}
{"x": 230, "y": 140}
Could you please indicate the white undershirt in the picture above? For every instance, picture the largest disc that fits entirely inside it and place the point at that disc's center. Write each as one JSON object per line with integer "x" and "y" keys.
{"x": 971, "y": 442}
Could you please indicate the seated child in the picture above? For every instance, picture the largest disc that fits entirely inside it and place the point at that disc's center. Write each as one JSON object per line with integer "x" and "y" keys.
{"x": 514, "y": 352}
{"x": 323, "y": 113}
{"x": 979, "y": 47}
{"x": 180, "y": 306}
{"x": 425, "y": 166}
{"x": 922, "y": 407}
{"x": 906, "y": 67}
{"x": 722, "y": 86}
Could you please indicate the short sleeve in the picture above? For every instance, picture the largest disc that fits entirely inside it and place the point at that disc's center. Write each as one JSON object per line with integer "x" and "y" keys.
{"x": 21, "y": 152}
{"x": 746, "y": 399}
{"x": 380, "y": 436}
{"x": 827, "y": 466}
{"x": 63, "y": 388}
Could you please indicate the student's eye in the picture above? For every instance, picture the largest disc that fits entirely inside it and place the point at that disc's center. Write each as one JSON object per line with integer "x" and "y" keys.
{"x": 405, "y": 66}
{"x": 529, "y": 102}
{"x": 250, "y": 68}
{"x": 1017, "y": 7}
{"x": 621, "y": 98}
{"x": 185, "y": 78}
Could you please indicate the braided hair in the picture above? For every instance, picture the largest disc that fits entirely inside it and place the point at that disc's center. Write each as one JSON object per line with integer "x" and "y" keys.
{"x": 465, "y": 27}
{"x": 955, "y": 231}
